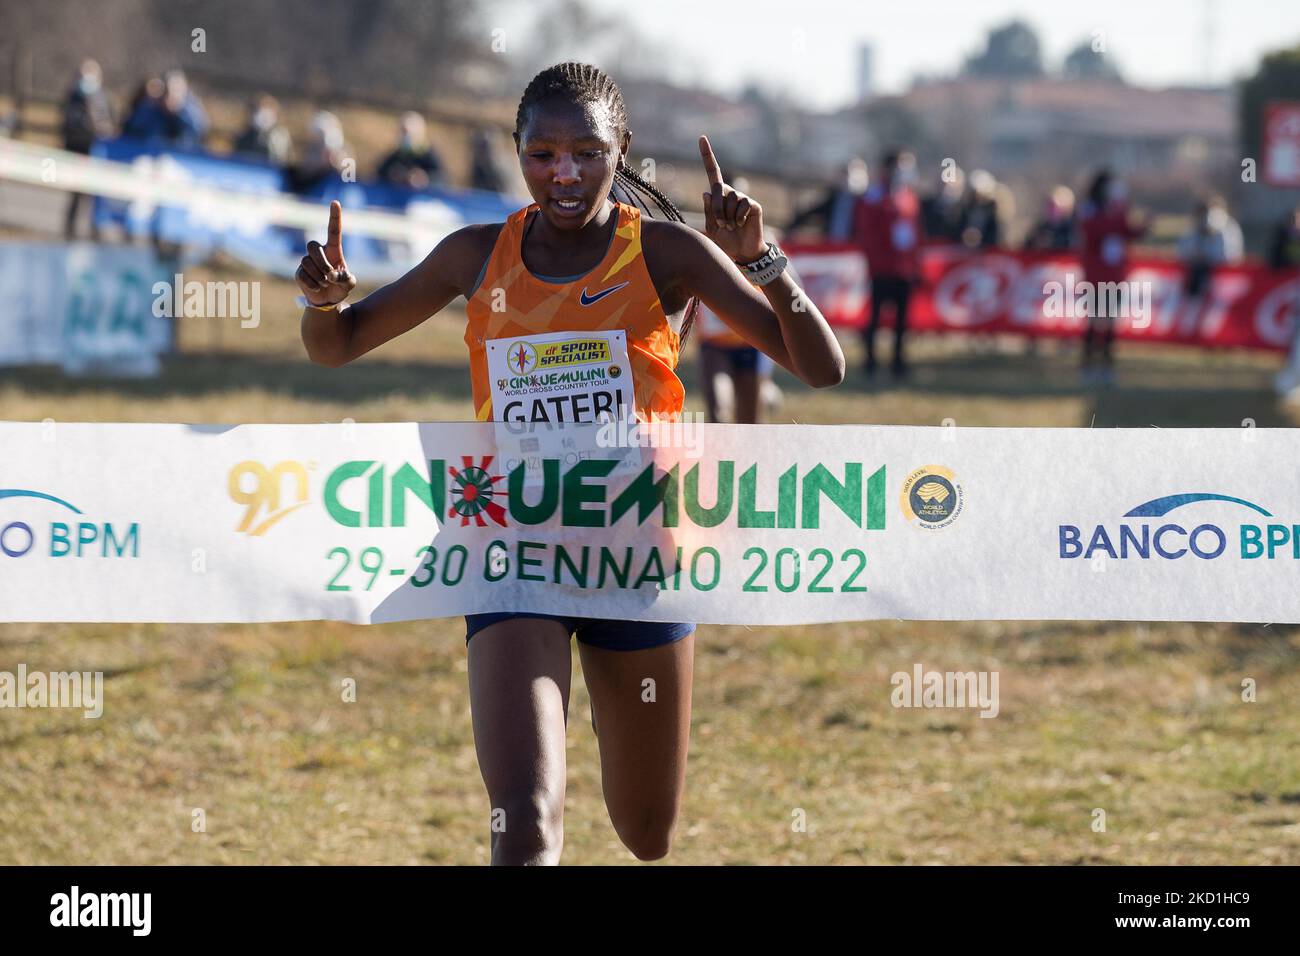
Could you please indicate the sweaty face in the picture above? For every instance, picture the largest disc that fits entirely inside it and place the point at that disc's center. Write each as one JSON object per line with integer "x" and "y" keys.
{"x": 568, "y": 153}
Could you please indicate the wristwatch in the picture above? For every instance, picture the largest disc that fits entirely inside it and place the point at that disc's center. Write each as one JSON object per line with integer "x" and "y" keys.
{"x": 766, "y": 267}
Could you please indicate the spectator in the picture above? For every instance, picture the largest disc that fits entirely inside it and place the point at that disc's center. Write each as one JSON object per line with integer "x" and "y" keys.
{"x": 1054, "y": 231}
{"x": 736, "y": 377}
{"x": 143, "y": 115}
{"x": 1106, "y": 227}
{"x": 264, "y": 137}
{"x": 834, "y": 214}
{"x": 187, "y": 123}
{"x": 1214, "y": 239}
{"x": 167, "y": 109}
{"x": 413, "y": 163}
{"x": 980, "y": 228}
{"x": 942, "y": 210}
{"x": 485, "y": 171}
{"x": 323, "y": 156}
{"x": 1284, "y": 250}
{"x": 87, "y": 117}
{"x": 889, "y": 230}
{"x": 1284, "y": 253}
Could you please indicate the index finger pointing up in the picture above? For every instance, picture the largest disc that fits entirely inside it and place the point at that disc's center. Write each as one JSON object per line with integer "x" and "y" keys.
{"x": 711, "y": 168}
{"x": 334, "y": 239}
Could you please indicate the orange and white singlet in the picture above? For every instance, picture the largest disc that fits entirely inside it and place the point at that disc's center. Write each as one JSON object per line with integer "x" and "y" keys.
{"x": 542, "y": 350}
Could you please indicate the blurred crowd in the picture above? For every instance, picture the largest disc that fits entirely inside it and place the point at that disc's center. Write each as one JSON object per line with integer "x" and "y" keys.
{"x": 166, "y": 109}
{"x": 888, "y": 218}
{"x": 887, "y": 213}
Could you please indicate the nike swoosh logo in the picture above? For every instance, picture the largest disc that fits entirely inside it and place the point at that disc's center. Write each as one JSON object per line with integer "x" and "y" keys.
{"x": 591, "y": 299}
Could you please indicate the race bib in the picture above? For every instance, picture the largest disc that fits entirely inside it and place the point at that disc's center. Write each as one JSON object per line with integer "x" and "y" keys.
{"x": 543, "y": 385}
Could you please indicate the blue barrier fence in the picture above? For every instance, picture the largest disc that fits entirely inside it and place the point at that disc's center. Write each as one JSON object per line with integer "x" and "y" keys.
{"x": 203, "y": 230}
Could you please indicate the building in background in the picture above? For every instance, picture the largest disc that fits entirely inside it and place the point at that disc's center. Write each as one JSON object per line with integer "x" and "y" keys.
{"x": 866, "y": 88}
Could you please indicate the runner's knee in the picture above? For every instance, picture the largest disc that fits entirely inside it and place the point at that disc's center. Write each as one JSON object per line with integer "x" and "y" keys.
{"x": 528, "y": 824}
{"x": 649, "y": 835}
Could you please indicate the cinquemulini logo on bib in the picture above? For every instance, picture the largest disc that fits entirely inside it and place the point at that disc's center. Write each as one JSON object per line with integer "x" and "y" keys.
{"x": 931, "y": 497}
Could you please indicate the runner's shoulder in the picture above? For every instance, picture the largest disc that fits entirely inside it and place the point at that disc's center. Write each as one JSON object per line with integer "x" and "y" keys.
{"x": 467, "y": 249}
{"x": 475, "y": 239}
{"x": 674, "y": 245}
{"x": 667, "y": 232}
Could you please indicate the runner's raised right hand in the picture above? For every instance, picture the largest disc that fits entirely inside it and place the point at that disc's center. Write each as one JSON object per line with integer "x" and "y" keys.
{"x": 323, "y": 273}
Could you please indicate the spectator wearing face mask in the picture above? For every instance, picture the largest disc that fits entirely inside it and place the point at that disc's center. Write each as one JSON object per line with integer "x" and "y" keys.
{"x": 1106, "y": 226}
{"x": 1214, "y": 239}
{"x": 943, "y": 210}
{"x": 322, "y": 156}
{"x": 889, "y": 231}
{"x": 87, "y": 118}
{"x": 833, "y": 216}
{"x": 980, "y": 228}
{"x": 413, "y": 163}
{"x": 1054, "y": 231}
{"x": 168, "y": 110}
{"x": 264, "y": 137}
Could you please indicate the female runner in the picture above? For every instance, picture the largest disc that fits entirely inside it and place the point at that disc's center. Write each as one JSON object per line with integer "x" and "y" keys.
{"x": 576, "y": 259}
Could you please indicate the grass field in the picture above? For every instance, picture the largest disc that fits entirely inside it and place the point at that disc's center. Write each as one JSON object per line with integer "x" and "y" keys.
{"x": 245, "y": 722}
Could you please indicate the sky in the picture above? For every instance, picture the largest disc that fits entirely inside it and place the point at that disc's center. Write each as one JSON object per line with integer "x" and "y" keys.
{"x": 809, "y": 47}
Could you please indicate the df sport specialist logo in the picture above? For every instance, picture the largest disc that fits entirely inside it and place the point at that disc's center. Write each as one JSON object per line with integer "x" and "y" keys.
{"x": 932, "y": 497}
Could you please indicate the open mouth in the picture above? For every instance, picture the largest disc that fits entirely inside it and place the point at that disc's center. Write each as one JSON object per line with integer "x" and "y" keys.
{"x": 569, "y": 207}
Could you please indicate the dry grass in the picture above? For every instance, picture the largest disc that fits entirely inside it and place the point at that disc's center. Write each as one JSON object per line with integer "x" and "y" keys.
{"x": 246, "y": 722}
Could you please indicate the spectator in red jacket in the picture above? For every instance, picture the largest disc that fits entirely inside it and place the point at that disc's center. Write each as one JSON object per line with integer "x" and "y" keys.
{"x": 1106, "y": 226}
{"x": 888, "y": 227}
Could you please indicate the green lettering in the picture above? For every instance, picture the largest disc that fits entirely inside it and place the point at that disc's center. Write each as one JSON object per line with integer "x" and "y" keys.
{"x": 576, "y": 493}
{"x": 710, "y": 517}
{"x": 521, "y": 510}
{"x": 846, "y": 496}
{"x": 748, "y": 515}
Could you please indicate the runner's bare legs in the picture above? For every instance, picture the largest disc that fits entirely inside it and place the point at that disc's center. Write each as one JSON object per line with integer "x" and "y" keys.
{"x": 641, "y": 705}
{"x": 519, "y": 673}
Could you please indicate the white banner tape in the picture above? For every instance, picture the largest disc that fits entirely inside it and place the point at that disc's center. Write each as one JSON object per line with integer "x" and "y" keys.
{"x": 777, "y": 524}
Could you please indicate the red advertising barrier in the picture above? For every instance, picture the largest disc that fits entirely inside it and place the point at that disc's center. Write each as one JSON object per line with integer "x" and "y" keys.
{"x": 1043, "y": 294}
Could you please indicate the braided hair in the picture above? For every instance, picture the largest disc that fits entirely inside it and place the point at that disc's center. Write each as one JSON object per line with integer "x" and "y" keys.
{"x": 582, "y": 84}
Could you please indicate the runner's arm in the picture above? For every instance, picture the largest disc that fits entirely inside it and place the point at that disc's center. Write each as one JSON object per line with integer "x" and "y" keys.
{"x": 777, "y": 319}
{"x": 337, "y": 336}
